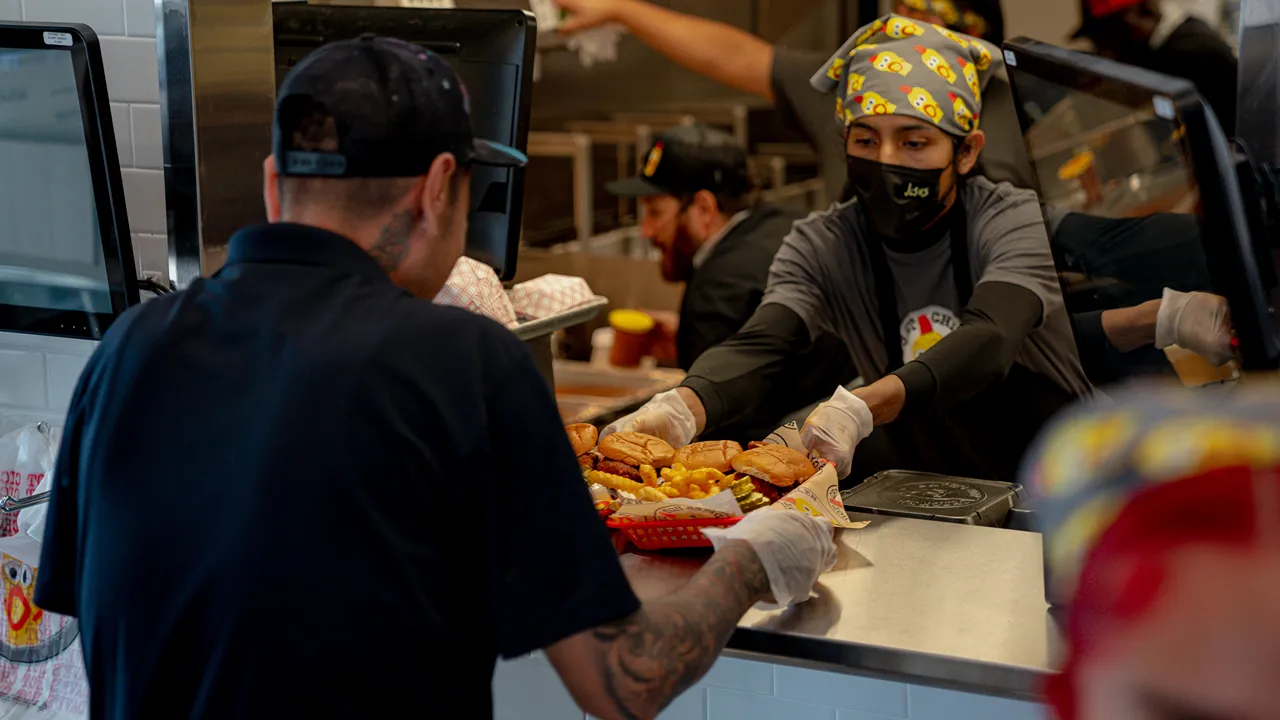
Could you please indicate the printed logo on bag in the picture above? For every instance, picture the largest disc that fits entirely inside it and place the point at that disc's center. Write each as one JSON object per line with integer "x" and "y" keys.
{"x": 924, "y": 328}
{"x": 915, "y": 192}
{"x": 30, "y": 635}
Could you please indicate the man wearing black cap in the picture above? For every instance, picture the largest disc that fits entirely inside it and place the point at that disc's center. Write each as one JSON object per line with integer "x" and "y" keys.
{"x": 696, "y": 195}
{"x": 699, "y": 209}
{"x": 351, "y": 501}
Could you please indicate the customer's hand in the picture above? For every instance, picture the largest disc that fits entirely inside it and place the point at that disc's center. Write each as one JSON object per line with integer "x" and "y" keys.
{"x": 665, "y": 416}
{"x": 794, "y": 548}
{"x": 1196, "y": 321}
{"x": 586, "y": 14}
{"x": 835, "y": 428}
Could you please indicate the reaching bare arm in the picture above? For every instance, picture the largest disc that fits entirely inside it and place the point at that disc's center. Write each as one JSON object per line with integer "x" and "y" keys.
{"x": 635, "y": 667}
{"x": 721, "y": 52}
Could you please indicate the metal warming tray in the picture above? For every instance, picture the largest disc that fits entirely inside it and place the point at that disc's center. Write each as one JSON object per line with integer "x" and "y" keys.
{"x": 927, "y": 496}
{"x": 598, "y": 395}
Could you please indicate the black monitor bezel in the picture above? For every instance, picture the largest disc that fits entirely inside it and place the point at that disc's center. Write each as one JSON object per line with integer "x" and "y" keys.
{"x": 497, "y": 36}
{"x": 108, "y": 188}
{"x": 1231, "y": 265}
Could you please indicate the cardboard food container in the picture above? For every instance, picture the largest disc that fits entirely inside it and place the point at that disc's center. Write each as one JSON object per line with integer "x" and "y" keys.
{"x": 475, "y": 286}
{"x": 550, "y": 294}
{"x": 717, "y": 507}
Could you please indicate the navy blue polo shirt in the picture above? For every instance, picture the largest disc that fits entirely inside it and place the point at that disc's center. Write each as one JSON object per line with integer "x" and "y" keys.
{"x": 294, "y": 490}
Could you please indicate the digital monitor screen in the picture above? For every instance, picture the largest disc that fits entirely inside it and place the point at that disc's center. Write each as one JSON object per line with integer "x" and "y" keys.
{"x": 1124, "y": 213}
{"x": 51, "y": 250}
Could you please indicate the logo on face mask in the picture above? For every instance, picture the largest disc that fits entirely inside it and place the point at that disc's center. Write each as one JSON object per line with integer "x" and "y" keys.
{"x": 915, "y": 192}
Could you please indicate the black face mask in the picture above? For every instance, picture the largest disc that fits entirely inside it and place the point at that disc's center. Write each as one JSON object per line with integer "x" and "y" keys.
{"x": 898, "y": 202}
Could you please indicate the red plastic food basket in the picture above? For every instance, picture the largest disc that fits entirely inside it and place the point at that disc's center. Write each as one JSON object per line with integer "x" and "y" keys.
{"x": 669, "y": 534}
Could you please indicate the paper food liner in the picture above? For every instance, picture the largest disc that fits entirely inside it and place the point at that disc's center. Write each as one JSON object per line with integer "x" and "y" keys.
{"x": 475, "y": 286}
{"x": 550, "y": 294}
{"x": 720, "y": 506}
{"x": 819, "y": 496}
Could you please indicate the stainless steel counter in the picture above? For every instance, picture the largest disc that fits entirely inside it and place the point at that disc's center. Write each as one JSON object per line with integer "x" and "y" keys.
{"x": 922, "y": 602}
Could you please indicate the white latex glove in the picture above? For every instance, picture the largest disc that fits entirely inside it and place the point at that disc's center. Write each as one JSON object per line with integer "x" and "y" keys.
{"x": 835, "y": 428}
{"x": 794, "y": 548}
{"x": 1195, "y": 321}
{"x": 665, "y": 416}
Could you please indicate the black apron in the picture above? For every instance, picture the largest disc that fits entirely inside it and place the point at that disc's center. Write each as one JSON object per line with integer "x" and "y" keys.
{"x": 982, "y": 437}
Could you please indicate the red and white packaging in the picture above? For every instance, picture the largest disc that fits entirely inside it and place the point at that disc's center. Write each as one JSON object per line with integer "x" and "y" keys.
{"x": 475, "y": 286}
{"x": 550, "y": 294}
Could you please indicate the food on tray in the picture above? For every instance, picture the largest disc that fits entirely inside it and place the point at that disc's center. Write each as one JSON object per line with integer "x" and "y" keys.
{"x": 775, "y": 469}
{"x": 717, "y": 455}
{"x": 636, "y": 449}
{"x": 693, "y": 484}
{"x": 583, "y": 439}
{"x": 642, "y": 492}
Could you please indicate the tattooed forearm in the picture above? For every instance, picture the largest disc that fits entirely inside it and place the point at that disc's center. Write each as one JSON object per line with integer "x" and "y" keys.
{"x": 656, "y": 654}
{"x": 393, "y": 242}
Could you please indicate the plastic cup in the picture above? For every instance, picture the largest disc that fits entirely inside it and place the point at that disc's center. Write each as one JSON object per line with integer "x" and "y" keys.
{"x": 631, "y": 329}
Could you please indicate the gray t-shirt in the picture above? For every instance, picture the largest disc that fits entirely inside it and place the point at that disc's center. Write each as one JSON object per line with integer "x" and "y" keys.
{"x": 823, "y": 274}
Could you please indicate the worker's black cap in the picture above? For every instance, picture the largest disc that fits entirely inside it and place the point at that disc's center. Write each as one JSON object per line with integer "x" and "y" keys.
{"x": 687, "y": 159}
{"x": 376, "y": 107}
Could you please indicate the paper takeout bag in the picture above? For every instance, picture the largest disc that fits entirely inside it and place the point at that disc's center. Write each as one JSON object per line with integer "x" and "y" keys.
{"x": 475, "y": 286}
{"x": 550, "y": 294}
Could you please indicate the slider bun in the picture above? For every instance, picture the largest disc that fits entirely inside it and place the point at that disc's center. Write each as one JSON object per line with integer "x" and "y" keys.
{"x": 637, "y": 449}
{"x": 775, "y": 464}
{"x": 582, "y": 437}
{"x": 716, "y": 455}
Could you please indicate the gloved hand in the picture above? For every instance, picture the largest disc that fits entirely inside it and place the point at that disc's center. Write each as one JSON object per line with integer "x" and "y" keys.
{"x": 1196, "y": 321}
{"x": 665, "y": 416}
{"x": 835, "y": 428}
{"x": 794, "y": 548}
{"x": 585, "y": 14}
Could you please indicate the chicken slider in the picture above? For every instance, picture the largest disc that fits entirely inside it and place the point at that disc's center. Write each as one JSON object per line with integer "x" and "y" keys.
{"x": 775, "y": 469}
{"x": 625, "y": 452}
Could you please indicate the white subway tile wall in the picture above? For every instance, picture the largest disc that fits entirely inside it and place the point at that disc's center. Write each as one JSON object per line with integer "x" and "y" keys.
{"x": 528, "y": 689}
{"x": 38, "y": 374}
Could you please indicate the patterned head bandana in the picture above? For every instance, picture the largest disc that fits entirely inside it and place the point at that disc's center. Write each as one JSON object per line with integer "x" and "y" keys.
{"x": 899, "y": 66}
{"x": 955, "y": 14}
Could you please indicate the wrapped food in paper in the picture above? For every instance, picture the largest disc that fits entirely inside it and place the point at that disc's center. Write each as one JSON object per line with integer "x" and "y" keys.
{"x": 550, "y": 294}
{"x": 819, "y": 496}
{"x": 717, "y": 507}
{"x": 475, "y": 286}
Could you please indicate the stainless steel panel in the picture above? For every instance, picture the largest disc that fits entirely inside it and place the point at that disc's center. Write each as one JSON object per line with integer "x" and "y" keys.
{"x": 217, "y": 85}
{"x": 924, "y": 602}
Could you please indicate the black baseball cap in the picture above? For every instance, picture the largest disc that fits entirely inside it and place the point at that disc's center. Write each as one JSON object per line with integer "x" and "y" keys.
{"x": 687, "y": 159}
{"x": 376, "y": 107}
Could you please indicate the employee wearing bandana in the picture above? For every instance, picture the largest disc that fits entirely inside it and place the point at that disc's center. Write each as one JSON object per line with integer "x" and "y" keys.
{"x": 941, "y": 284}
